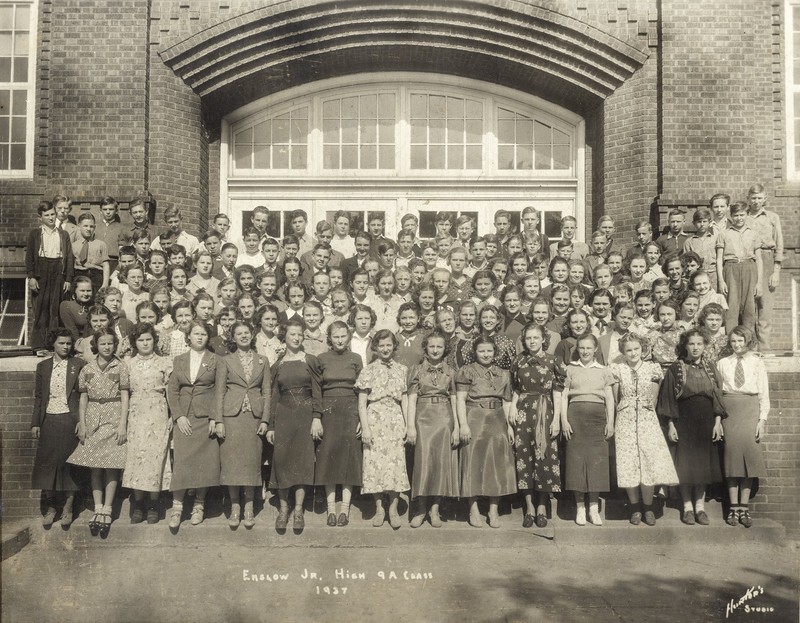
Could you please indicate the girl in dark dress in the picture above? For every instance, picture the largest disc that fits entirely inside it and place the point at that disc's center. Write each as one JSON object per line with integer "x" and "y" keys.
{"x": 339, "y": 454}
{"x": 55, "y": 415}
{"x": 537, "y": 389}
{"x": 483, "y": 394}
{"x": 294, "y": 423}
{"x": 691, "y": 400}
{"x": 432, "y": 430}
{"x": 74, "y": 314}
{"x": 490, "y": 323}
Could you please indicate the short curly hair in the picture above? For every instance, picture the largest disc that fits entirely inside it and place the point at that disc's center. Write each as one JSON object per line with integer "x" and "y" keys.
{"x": 138, "y": 330}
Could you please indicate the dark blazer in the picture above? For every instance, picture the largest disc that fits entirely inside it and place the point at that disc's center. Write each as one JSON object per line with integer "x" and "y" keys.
{"x": 32, "y": 259}
{"x": 349, "y": 266}
{"x": 187, "y": 398}
{"x": 231, "y": 386}
{"x": 44, "y": 372}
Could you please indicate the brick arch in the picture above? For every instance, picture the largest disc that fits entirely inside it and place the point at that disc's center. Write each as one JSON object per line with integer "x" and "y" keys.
{"x": 527, "y": 46}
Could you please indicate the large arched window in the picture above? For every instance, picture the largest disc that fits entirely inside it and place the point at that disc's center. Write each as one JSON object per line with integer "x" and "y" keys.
{"x": 400, "y": 143}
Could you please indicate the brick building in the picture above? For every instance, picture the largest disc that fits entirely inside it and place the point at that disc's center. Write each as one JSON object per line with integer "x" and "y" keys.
{"x": 583, "y": 107}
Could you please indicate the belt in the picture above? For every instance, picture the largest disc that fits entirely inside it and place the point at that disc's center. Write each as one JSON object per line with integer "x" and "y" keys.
{"x": 339, "y": 392}
{"x": 489, "y": 403}
{"x": 103, "y": 401}
{"x": 738, "y": 261}
{"x": 433, "y": 399}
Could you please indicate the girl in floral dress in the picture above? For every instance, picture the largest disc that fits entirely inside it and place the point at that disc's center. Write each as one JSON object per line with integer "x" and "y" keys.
{"x": 643, "y": 459}
{"x": 711, "y": 321}
{"x": 382, "y": 407}
{"x": 536, "y": 390}
{"x": 147, "y": 468}
{"x": 102, "y": 429}
{"x": 489, "y": 323}
{"x": 664, "y": 340}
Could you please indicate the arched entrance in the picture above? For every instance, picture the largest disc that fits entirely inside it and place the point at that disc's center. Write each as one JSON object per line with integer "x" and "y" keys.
{"x": 402, "y": 143}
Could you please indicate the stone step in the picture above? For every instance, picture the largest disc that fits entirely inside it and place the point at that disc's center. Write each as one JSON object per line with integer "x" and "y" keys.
{"x": 456, "y": 531}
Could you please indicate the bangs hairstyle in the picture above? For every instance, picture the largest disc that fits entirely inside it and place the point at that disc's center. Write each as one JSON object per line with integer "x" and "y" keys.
{"x": 634, "y": 337}
{"x": 749, "y": 336}
{"x": 708, "y": 309}
{"x": 680, "y": 349}
{"x": 178, "y": 306}
{"x": 259, "y": 315}
{"x": 149, "y": 305}
{"x": 541, "y": 330}
{"x": 140, "y": 329}
{"x": 382, "y": 335}
{"x": 337, "y": 324}
{"x": 407, "y": 306}
{"x": 483, "y": 338}
{"x": 284, "y": 327}
{"x": 202, "y": 325}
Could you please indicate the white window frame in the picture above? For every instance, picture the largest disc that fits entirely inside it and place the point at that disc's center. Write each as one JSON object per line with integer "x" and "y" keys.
{"x": 30, "y": 86}
{"x": 445, "y": 183}
{"x": 790, "y": 89}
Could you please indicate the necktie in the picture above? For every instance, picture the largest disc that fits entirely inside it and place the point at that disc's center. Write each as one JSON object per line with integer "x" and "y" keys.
{"x": 83, "y": 254}
{"x": 738, "y": 375}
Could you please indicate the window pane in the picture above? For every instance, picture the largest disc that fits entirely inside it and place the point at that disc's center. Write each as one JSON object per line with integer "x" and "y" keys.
{"x": 19, "y": 104}
{"x": 330, "y": 109}
{"x": 369, "y": 132}
{"x": 505, "y": 157}
{"x": 18, "y": 129}
{"x": 5, "y": 69}
{"x": 436, "y": 107}
{"x": 23, "y": 21}
{"x": 349, "y": 157}
{"x": 436, "y": 155}
{"x": 330, "y": 156}
{"x": 17, "y": 157}
{"x": 369, "y": 157}
{"x": 505, "y": 131}
{"x": 419, "y": 158}
{"x": 419, "y": 106}
{"x": 524, "y": 130}
{"x": 386, "y": 157}
{"x": 349, "y": 131}
{"x": 436, "y": 131}
{"x": 474, "y": 156}
{"x": 21, "y": 43}
{"x": 261, "y": 133}
{"x": 330, "y": 130}
{"x": 455, "y": 157}
{"x": 6, "y": 15}
{"x": 419, "y": 131}
{"x": 455, "y": 107}
{"x": 299, "y": 128}
{"x": 280, "y": 157}
{"x": 369, "y": 107}
{"x": 525, "y": 157}
{"x": 5, "y": 44}
{"x": 350, "y": 108}
{"x": 241, "y": 156}
{"x": 244, "y": 138}
{"x": 4, "y": 151}
{"x": 299, "y": 156}
{"x": 386, "y": 131}
{"x": 21, "y": 69}
{"x": 552, "y": 224}
{"x": 502, "y": 113}
{"x": 5, "y": 132}
{"x": 474, "y": 131}
{"x": 542, "y": 134}
{"x": 261, "y": 157}
{"x": 386, "y": 106}
{"x": 474, "y": 110}
{"x": 561, "y": 157}
{"x": 543, "y": 156}
{"x": 455, "y": 131}
{"x": 280, "y": 129}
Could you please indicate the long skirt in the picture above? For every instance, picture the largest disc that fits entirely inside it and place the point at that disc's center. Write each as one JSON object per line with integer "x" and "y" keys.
{"x": 435, "y": 458}
{"x": 385, "y": 457}
{"x": 196, "y": 457}
{"x": 240, "y": 451}
{"x": 487, "y": 461}
{"x": 696, "y": 457}
{"x": 537, "y": 462}
{"x": 587, "y": 450}
{"x": 293, "y": 454}
{"x": 147, "y": 466}
{"x": 339, "y": 454}
{"x": 743, "y": 456}
{"x": 642, "y": 455}
{"x": 57, "y": 441}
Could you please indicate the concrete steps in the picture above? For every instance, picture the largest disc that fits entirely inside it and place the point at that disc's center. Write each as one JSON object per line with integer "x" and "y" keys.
{"x": 561, "y": 528}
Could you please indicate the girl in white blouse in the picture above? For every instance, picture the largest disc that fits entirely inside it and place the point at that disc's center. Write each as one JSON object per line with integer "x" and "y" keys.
{"x": 746, "y": 401}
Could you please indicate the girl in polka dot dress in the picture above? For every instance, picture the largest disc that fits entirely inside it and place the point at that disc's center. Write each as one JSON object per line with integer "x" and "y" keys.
{"x": 102, "y": 429}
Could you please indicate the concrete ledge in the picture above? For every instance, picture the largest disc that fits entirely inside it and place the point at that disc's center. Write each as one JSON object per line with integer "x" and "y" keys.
{"x": 16, "y": 535}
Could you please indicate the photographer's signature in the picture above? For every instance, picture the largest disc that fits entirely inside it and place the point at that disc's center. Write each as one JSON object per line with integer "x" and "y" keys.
{"x": 743, "y": 602}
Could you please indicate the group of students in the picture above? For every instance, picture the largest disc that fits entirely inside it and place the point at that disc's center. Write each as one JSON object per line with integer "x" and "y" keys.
{"x": 462, "y": 367}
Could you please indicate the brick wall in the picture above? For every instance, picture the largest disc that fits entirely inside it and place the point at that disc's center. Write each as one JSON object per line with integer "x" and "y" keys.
{"x": 778, "y": 497}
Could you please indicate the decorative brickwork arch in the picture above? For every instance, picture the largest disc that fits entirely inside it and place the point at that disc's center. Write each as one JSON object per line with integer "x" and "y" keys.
{"x": 528, "y": 46}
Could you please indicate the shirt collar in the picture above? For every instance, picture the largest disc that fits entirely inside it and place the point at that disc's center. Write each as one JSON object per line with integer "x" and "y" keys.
{"x": 592, "y": 364}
